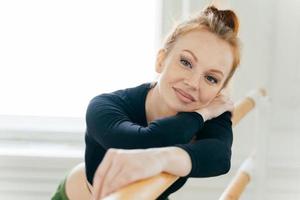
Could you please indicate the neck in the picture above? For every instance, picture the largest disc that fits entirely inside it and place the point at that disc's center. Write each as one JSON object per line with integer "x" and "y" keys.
{"x": 155, "y": 106}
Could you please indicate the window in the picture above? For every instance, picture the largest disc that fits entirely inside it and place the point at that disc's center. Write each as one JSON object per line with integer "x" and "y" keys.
{"x": 57, "y": 55}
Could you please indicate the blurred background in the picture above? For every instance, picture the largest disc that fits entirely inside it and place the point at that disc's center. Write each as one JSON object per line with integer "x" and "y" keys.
{"x": 56, "y": 55}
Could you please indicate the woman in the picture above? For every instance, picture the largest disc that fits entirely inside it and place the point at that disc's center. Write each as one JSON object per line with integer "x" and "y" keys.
{"x": 138, "y": 132}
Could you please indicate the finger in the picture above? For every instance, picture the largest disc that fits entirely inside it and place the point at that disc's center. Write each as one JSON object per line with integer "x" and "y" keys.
{"x": 230, "y": 106}
{"x": 123, "y": 177}
{"x": 101, "y": 172}
{"x": 109, "y": 182}
{"x": 98, "y": 180}
{"x": 226, "y": 99}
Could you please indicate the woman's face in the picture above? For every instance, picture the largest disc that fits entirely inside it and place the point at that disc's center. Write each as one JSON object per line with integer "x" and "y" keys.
{"x": 193, "y": 71}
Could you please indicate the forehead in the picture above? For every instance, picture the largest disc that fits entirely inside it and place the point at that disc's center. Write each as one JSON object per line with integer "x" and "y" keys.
{"x": 210, "y": 50}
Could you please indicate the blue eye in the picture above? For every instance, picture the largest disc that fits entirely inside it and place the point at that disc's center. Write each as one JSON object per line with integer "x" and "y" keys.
{"x": 212, "y": 79}
{"x": 185, "y": 62}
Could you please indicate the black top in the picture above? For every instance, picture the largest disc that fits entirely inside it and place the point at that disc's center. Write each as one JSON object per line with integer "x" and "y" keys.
{"x": 118, "y": 120}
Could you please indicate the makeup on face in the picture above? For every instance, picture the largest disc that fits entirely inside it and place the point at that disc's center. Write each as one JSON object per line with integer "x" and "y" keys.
{"x": 189, "y": 59}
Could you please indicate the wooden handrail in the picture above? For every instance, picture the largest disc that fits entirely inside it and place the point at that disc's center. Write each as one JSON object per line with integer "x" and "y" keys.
{"x": 245, "y": 105}
{"x": 151, "y": 188}
{"x": 239, "y": 182}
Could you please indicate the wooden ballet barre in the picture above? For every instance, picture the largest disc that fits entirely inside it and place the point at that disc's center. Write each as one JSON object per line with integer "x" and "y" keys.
{"x": 151, "y": 188}
{"x": 238, "y": 184}
{"x": 245, "y": 105}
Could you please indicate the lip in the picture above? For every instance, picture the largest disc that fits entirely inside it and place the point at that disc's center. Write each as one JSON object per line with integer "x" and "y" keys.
{"x": 187, "y": 98}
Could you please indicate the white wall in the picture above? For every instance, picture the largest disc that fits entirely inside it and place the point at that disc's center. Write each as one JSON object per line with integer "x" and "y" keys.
{"x": 55, "y": 56}
{"x": 270, "y": 58}
{"x": 36, "y": 153}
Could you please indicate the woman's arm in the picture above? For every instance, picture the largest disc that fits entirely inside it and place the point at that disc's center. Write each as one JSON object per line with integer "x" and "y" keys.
{"x": 121, "y": 167}
{"x": 210, "y": 155}
{"x": 109, "y": 125}
{"x": 175, "y": 160}
{"x": 205, "y": 158}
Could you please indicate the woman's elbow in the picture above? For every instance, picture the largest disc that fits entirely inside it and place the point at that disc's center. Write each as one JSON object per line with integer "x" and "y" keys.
{"x": 227, "y": 167}
{"x": 226, "y": 164}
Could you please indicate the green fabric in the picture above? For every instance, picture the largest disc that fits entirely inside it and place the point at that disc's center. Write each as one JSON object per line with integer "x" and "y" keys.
{"x": 60, "y": 193}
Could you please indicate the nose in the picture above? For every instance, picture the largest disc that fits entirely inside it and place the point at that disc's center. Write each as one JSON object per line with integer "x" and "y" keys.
{"x": 193, "y": 81}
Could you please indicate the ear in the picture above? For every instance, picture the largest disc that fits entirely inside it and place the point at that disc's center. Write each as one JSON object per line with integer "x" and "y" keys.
{"x": 159, "y": 65}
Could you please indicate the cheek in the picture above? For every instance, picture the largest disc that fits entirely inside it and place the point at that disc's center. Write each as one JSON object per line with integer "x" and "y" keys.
{"x": 171, "y": 76}
{"x": 206, "y": 97}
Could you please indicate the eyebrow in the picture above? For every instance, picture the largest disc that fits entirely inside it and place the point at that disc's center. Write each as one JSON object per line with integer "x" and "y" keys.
{"x": 213, "y": 70}
{"x": 191, "y": 54}
{"x": 217, "y": 71}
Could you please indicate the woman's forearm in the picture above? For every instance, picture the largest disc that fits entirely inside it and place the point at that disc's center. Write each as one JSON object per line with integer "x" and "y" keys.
{"x": 175, "y": 160}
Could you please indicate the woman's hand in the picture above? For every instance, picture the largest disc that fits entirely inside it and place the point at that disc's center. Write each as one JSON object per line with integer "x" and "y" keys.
{"x": 121, "y": 167}
{"x": 221, "y": 103}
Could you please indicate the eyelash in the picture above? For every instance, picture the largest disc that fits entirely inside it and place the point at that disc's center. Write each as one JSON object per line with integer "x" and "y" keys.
{"x": 182, "y": 59}
{"x": 186, "y": 62}
{"x": 214, "y": 79}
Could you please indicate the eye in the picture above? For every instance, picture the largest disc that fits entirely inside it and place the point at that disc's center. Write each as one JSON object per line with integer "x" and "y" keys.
{"x": 185, "y": 62}
{"x": 212, "y": 79}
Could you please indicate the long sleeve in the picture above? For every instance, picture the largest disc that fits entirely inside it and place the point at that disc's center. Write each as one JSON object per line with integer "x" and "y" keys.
{"x": 211, "y": 153}
{"x": 110, "y": 126}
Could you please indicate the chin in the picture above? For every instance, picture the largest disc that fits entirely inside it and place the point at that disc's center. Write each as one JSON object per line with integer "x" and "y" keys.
{"x": 178, "y": 106}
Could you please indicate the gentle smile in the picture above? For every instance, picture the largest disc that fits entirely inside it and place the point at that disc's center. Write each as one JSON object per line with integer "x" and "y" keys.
{"x": 183, "y": 96}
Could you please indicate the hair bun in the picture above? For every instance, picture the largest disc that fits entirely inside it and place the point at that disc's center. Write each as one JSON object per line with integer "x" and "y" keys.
{"x": 228, "y": 17}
